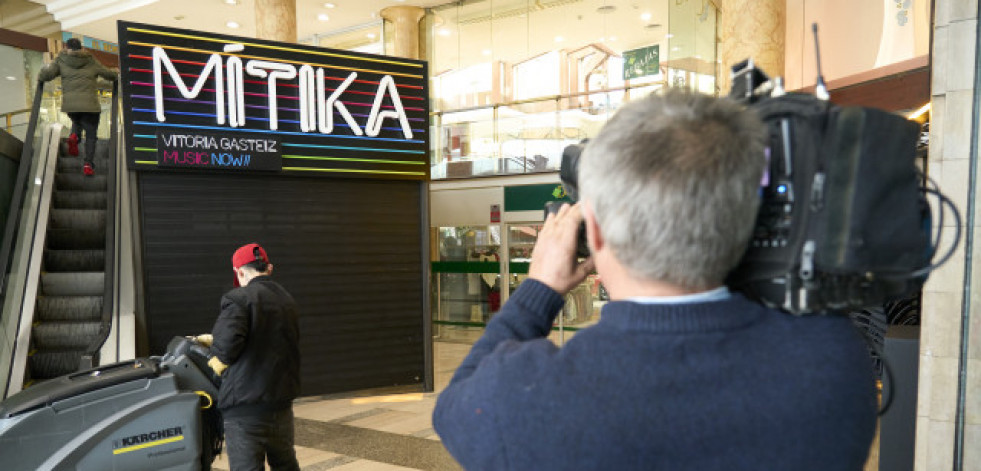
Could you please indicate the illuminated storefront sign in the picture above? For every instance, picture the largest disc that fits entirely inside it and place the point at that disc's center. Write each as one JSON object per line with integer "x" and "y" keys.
{"x": 213, "y": 102}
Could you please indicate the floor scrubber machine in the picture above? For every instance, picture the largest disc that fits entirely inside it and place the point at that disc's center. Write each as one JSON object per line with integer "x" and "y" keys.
{"x": 155, "y": 413}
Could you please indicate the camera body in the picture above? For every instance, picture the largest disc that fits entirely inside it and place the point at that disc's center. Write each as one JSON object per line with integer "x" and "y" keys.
{"x": 569, "y": 175}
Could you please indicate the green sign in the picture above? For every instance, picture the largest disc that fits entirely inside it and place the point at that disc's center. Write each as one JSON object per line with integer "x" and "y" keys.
{"x": 641, "y": 62}
{"x": 532, "y": 197}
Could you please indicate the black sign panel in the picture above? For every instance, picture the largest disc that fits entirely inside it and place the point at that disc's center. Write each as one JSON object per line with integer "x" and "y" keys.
{"x": 217, "y": 151}
{"x": 329, "y": 112}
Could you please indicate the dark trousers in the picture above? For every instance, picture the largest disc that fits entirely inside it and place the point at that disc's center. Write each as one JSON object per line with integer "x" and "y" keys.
{"x": 253, "y": 439}
{"x": 87, "y": 124}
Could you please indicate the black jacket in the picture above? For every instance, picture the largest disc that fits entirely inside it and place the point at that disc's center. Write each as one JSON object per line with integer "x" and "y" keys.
{"x": 257, "y": 336}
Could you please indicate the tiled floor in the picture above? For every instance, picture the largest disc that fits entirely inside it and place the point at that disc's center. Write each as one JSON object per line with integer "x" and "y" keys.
{"x": 380, "y": 432}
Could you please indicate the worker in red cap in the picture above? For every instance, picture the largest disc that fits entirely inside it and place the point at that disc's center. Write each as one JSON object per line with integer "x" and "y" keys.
{"x": 255, "y": 350}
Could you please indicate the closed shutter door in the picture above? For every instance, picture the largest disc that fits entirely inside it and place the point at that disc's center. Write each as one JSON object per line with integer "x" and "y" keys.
{"x": 350, "y": 252}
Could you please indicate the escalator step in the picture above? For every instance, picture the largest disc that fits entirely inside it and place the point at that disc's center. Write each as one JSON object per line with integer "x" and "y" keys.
{"x": 101, "y": 147}
{"x": 79, "y": 200}
{"x": 68, "y": 308}
{"x": 78, "y": 220}
{"x": 52, "y": 364}
{"x": 74, "y": 164}
{"x": 73, "y": 284}
{"x": 67, "y": 239}
{"x": 74, "y": 260}
{"x": 79, "y": 182}
{"x": 64, "y": 335}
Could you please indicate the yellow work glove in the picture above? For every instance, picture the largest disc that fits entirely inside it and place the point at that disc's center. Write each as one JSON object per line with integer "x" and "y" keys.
{"x": 217, "y": 365}
{"x": 204, "y": 339}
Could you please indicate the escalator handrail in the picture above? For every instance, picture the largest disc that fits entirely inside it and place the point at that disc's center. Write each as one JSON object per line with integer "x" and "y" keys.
{"x": 20, "y": 186}
{"x": 90, "y": 356}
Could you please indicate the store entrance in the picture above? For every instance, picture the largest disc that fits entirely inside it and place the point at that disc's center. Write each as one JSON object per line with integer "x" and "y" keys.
{"x": 469, "y": 279}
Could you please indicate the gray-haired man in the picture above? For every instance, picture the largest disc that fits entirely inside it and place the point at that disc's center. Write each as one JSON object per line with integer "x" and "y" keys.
{"x": 679, "y": 373}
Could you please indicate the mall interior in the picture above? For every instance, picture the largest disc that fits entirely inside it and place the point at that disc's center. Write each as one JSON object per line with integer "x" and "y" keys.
{"x": 397, "y": 265}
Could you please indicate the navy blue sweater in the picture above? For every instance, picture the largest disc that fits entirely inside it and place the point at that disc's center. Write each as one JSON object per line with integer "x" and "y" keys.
{"x": 725, "y": 385}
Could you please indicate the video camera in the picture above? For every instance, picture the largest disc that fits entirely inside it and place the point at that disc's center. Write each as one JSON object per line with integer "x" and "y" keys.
{"x": 844, "y": 223}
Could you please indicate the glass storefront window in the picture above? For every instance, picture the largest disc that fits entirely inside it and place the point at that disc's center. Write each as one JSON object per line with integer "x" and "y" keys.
{"x": 466, "y": 280}
{"x": 469, "y": 273}
{"x": 529, "y": 77}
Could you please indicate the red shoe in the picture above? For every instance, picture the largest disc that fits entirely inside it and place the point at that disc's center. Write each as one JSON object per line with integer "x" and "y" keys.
{"x": 73, "y": 144}
{"x": 88, "y": 170}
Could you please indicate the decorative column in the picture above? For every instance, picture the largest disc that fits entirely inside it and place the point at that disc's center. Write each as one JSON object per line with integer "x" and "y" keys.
{"x": 405, "y": 25}
{"x": 751, "y": 29}
{"x": 275, "y": 20}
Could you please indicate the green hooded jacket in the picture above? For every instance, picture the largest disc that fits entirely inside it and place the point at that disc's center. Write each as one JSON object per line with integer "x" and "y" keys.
{"x": 79, "y": 73}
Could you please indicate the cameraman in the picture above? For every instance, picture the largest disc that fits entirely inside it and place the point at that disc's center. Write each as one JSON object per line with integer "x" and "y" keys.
{"x": 679, "y": 373}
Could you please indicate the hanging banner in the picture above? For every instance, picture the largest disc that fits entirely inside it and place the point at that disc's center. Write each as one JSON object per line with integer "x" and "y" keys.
{"x": 209, "y": 102}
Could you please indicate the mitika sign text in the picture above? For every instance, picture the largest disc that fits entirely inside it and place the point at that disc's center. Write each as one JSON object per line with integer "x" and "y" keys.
{"x": 201, "y": 101}
{"x": 316, "y": 107}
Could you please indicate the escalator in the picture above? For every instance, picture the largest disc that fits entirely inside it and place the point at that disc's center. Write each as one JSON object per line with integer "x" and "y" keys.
{"x": 70, "y": 299}
{"x": 58, "y": 257}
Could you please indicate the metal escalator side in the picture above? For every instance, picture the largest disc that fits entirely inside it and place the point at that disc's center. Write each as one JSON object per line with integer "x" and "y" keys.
{"x": 64, "y": 301}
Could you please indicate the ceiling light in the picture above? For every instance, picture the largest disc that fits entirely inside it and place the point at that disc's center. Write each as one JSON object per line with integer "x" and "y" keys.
{"x": 329, "y": 5}
{"x": 323, "y": 17}
{"x": 231, "y": 2}
{"x": 486, "y": 52}
{"x": 11, "y": 77}
{"x": 559, "y": 39}
{"x": 232, "y": 24}
{"x": 613, "y": 38}
{"x": 676, "y": 49}
{"x": 668, "y": 36}
{"x": 443, "y": 32}
{"x": 370, "y": 35}
{"x": 645, "y": 16}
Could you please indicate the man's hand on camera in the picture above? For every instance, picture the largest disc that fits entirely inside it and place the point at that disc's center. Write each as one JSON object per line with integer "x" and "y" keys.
{"x": 553, "y": 261}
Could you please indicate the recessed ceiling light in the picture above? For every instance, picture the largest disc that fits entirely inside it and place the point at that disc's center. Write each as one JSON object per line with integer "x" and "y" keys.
{"x": 486, "y": 52}
{"x": 669, "y": 36}
{"x": 329, "y": 5}
{"x": 232, "y": 24}
{"x": 606, "y": 9}
{"x": 370, "y": 35}
{"x": 231, "y": 2}
{"x": 323, "y": 17}
{"x": 444, "y": 32}
{"x": 559, "y": 39}
{"x": 676, "y": 49}
{"x": 645, "y": 16}
{"x": 11, "y": 77}
{"x": 613, "y": 38}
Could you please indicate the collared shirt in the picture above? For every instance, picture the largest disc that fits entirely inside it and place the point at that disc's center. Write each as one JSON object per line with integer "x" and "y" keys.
{"x": 718, "y": 294}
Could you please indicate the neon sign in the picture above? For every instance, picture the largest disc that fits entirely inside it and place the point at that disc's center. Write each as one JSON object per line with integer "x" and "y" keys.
{"x": 317, "y": 111}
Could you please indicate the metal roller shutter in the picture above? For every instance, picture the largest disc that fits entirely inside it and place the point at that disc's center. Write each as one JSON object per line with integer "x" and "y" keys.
{"x": 349, "y": 250}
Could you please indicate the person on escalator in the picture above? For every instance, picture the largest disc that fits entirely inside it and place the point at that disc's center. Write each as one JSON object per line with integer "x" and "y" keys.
{"x": 79, "y": 73}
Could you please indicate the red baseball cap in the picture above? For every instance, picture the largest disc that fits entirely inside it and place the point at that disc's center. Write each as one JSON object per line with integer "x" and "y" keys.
{"x": 248, "y": 253}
